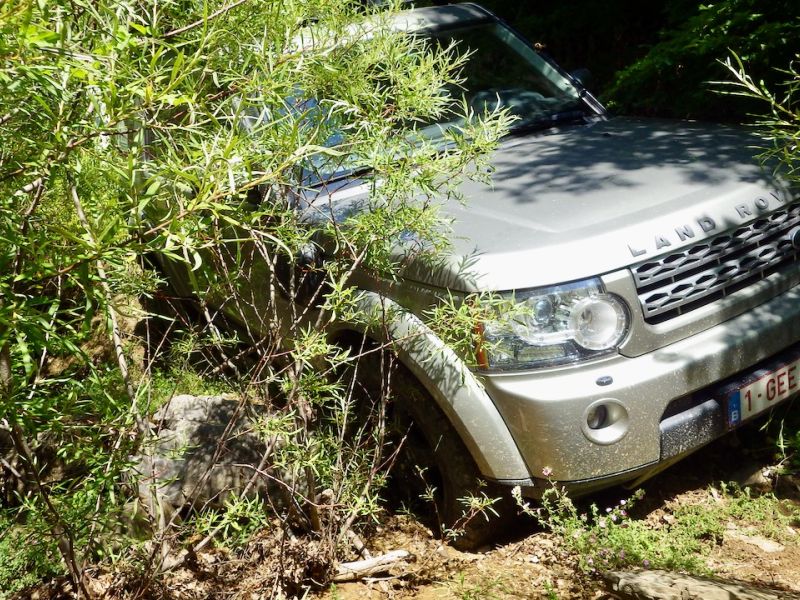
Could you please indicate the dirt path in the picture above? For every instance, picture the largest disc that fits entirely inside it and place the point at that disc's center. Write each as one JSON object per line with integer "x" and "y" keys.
{"x": 750, "y": 546}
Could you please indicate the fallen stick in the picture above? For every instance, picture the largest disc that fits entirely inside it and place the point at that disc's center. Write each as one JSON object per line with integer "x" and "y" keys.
{"x": 357, "y": 544}
{"x": 352, "y": 571}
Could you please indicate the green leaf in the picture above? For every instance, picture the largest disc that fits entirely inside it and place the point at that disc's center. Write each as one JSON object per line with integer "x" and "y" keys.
{"x": 153, "y": 188}
{"x": 140, "y": 28}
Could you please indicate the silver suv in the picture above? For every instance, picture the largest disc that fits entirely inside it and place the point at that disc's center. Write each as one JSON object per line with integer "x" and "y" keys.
{"x": 657, "y": 263}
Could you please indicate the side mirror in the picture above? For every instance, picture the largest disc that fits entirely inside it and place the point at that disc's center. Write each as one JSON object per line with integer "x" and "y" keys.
{"x": 583, "y": 77}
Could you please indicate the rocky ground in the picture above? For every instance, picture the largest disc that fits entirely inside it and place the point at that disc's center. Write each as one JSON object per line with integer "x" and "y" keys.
{"x": 538, "y": 564}
{"x": 754, "y": 546}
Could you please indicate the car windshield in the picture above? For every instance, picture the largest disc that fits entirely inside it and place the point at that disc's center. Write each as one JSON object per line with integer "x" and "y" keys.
{"x": 502, "y": 71}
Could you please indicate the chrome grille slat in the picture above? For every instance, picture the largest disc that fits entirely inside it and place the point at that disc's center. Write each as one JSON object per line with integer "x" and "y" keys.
{"x": 681, "y": 281}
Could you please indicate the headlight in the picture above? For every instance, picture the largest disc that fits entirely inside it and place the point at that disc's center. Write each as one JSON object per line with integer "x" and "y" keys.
{"x": 553, "y": 326}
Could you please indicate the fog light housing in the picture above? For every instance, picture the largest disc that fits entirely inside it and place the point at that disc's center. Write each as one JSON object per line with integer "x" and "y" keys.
{"x": 605, "y": 421}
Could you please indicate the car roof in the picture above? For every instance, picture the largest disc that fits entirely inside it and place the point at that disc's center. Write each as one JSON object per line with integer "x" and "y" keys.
{"x": 437, "y": 17}
{"x": 413, "y": 20}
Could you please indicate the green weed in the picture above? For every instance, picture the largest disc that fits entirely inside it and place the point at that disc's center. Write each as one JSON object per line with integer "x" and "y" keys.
{"x": 609, "y": 538}
{"x": 25, "y": 558}
{"x": 484, "y": 589}
{"x": 235, "y": 523}
{"x": 550, "y": 591}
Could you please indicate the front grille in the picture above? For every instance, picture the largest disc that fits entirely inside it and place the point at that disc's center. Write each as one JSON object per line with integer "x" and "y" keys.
{"x": 677, "y": 283}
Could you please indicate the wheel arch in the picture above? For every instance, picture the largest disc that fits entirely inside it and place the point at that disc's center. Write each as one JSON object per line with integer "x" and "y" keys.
{"x": 454, "y": 387}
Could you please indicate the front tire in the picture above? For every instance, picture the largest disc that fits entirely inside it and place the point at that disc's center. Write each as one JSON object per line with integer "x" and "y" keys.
{"x": 434, "y": 466}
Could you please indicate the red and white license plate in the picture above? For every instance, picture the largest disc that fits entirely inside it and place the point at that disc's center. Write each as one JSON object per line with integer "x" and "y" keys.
{"x": 763, "y": 393}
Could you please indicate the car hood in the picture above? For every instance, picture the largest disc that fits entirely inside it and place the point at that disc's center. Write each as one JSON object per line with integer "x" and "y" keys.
{"x": 581, "y": 201}
{"x": 584, "y": 201}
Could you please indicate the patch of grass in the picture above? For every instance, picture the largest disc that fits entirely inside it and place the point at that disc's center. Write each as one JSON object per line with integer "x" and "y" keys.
{"x": 609, "y": 538}
{"x": 165, "y": 384}
{"x": 25, "y": 560}
{"x": 484, "y": 589}
{"x": 768, "y": 515}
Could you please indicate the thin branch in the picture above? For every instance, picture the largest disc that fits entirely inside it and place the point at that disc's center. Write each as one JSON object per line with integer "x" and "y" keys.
{"x": 63, "y": 533}
{"x": 27, "y": 189}
{"x": 10, "y": 468}
{"x": 122, "y": 360}
{"x": 204, "y": 20}
{"x": 352, "y": 571}
{"x": 26, "y": 219}
{"x": 8, "y": 116}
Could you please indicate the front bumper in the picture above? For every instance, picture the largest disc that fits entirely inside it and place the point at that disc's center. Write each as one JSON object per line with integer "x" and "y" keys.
{"x": 668, "y": 399}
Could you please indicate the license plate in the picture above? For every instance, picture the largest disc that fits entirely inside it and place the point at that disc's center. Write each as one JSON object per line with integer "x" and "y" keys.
{"x": 763, "y": 393}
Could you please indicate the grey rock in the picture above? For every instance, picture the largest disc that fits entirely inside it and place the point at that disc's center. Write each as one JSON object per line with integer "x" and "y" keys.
{"x": 752, "y": 474}
{"x": 760, "y": 542}
{"x": 663, "y": 585}
{"x": 204, "y": 448}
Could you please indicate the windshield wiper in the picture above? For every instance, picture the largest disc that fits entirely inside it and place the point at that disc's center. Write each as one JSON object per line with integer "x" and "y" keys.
{"x": 313, "y": 179}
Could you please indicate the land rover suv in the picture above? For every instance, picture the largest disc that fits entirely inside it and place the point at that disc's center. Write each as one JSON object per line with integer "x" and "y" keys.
{"x": 657, "y": 261}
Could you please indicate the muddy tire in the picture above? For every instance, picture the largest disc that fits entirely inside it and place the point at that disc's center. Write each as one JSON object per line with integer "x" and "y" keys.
{"x": 432, "y": 473}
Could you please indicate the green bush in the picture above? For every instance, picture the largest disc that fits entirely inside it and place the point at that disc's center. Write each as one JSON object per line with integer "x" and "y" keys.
{"x": 673, "y": 78}
{"x": 26, "y": 558}
{"x": 123, "y": 139}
